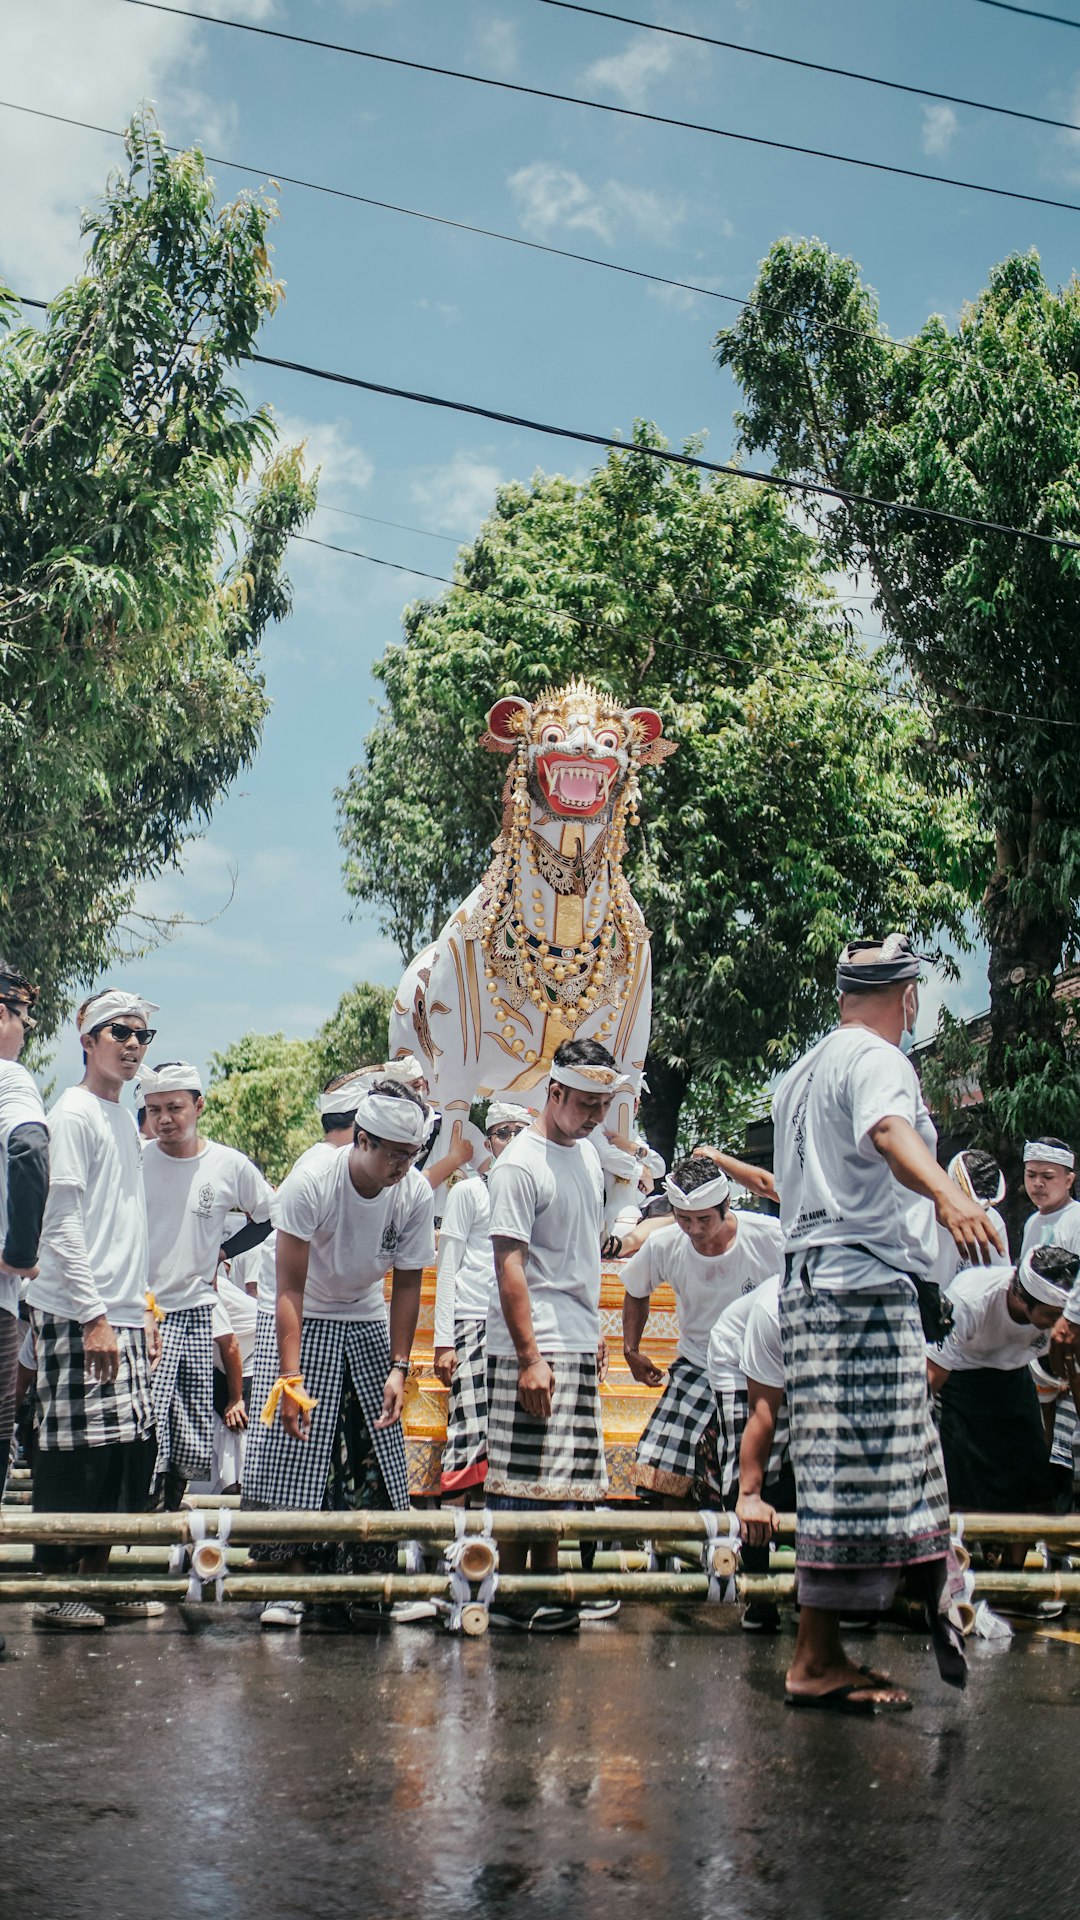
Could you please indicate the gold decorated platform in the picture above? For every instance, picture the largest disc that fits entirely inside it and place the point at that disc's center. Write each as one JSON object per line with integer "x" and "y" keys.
{"x": 625, "y": 1405}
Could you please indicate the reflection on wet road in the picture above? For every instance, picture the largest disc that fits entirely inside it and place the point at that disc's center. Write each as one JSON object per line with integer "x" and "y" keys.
{"x": 646, "y": 1768}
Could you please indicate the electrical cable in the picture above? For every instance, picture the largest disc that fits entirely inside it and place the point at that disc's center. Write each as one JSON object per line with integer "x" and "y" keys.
{"x": 607, "y": 106}
{"x": 814, "y": 66}
{"x": 1029, "y": 13}
{"x": 666, "y": 456}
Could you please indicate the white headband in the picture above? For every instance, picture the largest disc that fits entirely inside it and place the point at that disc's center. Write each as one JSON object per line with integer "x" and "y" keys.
{"x": 958, "y": 1171}
{"x": 502, "y": 1114}
{"x": 591, "y": 1079}
{"x": 711, "y": 1193}
{"x": 1042, "y": 1150}
{"x": 177, "y": 1076}
{"x": 109, "y": 1006}
{"x": 1039, "y": 1287}
{"x": 404, "y": 1072}
{"x": 401, "y": 1121}
{"x": 347, "y": 1097}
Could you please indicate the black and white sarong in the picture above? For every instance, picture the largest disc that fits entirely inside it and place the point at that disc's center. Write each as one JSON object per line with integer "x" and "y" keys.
{"x": 464, "y": 1460}
{"x": 292, "y": 1474}
{"x": 869, "y": 1474}
{"x": 559, "y": 1459}
{"x": 994, "y": 1443}
{"x": 733, "y": 1409}
{"x": 76, "y": 1411}
{"x": 182, "y": 1384}
{"x": 667, "y": 1450}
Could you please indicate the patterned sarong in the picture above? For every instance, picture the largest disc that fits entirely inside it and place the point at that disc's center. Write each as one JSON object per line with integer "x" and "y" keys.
{"x": 182, "y": 1385}
{"x": 869, "y": 1475}
{"x": 282, "y": 1472}
{"x": 464, "y": 1460}
{"x": 667, "y": 1450}
{"x": 75, "y": 1411}
{"x": 560, "y": 1458}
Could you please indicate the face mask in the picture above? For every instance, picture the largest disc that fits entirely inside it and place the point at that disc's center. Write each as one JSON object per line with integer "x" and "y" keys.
{"x": 907, "y": 1038}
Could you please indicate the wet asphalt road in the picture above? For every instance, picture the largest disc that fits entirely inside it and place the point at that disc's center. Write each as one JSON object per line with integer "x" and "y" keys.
{"x": 646, "y": 1767}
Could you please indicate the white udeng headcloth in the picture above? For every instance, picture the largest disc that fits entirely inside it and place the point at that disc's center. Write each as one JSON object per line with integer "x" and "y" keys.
{"x": 406, "y": 1072}
{"x": 347, "y": 1097}
{"x": 502, "y": 1114}
{"x": 111, "y": 1006}
{"x": 711, "y": 1193}
{"x": 1055, "y": 1156}
{"x": 1039, "y": 1287}
{"x": 177, "y": 1076}
{"x": 591, "y": 1079}
{"x": 401, "y": 1121}
{"x": 958, "y": 1171}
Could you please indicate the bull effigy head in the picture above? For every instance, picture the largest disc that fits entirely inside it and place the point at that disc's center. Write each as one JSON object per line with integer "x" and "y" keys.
{"x": 579, "y": 746}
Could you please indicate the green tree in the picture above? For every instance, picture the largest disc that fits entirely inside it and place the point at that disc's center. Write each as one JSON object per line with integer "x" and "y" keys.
{"x": 136, "y": 577}
{"x": 356, "y": 1033}
{"x": 790, "y": 814}
{"x": 982, "y": 420}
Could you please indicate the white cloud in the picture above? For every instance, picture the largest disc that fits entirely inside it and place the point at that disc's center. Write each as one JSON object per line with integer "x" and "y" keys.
{"x": 95, "y": 64}
{"x": 939, "y": 129}
{"x": 549, "y": 198}
{"x": 631, "y": 72}
{"x": 457, "y": 496}
{"x": 497, "y": 45}
{"x": 346, "y": 468}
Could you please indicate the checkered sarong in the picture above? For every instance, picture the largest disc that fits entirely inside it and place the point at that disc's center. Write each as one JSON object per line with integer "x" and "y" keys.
{"x": 464, "y": 1460}
{"x": 560, "y": 1458}
{"x": 182, "y": 1384}
{"x": 733, "y": 1407}
{"x": 666, "y": 1452}
{"x": 292, "y": 1474}
{"x": 1066, "y": 1440}
{"x": 75, "y": 1411}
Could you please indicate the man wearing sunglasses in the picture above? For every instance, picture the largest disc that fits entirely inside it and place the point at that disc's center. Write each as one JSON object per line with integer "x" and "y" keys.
{"x": 463, "y": 1286}
{"x": 24, "y": 1184}
{"x": 93, "y": 1336}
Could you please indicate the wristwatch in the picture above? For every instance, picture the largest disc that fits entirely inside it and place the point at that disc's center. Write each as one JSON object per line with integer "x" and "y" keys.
{"x": 403, "y": 1364}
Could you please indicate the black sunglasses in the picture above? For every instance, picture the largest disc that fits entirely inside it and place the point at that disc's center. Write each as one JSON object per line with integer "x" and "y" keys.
{"x": 143, "y": 1035}
{"x": 21, "y": 1012}
{"x": 508, "y": 1132}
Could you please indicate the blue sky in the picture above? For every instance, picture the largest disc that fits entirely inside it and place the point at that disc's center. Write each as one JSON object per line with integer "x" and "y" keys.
{"x": 414, "y": 305}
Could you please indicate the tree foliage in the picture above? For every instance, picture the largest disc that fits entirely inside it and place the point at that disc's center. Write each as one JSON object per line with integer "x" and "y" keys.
{"x": 981, "y": 420}
{"x": 790, "y": 815}
{"x": 136, "y": 580}
{"x": 263, "y": 1091}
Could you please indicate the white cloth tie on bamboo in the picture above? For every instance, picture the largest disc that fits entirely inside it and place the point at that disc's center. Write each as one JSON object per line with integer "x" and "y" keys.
{"x": 209, "y": 1558}
{"x": 461, "y": 1593}
{"x": 720, "y": 1592}
{"x": 985, "y": 1624}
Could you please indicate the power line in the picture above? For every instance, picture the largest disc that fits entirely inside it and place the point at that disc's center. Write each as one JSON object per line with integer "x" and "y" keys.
{"x": 607, "y": 106}
{"x": 666, "y": 456}
{"x": 1029, "y": 13}
{"x": 814, "y": 66}
{"x": 428, "y": 533}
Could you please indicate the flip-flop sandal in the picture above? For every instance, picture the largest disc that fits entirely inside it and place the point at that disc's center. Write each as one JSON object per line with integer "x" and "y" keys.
{"x": 841, "y": 1700}
{"x": 875, "y": 1677}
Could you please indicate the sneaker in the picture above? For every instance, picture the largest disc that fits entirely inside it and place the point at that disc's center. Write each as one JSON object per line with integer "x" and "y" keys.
{"x": 1028, "y": 1606}
{"x": 592, "y": 1610}
{"x": 67, "y": 1616}
{"x": 555, "y": 1619}
{"x": 132, "y": 1609}
{"x": 760, "y": 1616}
{"x": 282, "y": 1613}
{"x": 511, "y": 1613}
{"x": 411, "y": 1613}
{"x": 370, "y": 1616}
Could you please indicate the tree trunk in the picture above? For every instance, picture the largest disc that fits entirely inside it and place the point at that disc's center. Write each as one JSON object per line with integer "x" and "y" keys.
{"x": 1025, "y": 1022}
{"x": 661, "y": 1106}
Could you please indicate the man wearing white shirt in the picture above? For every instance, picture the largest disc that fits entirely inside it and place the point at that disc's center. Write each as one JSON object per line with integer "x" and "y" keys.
{"x": 192, "y": 1184}
{"x": 708, "y": 1258}
{"x": 545, "y": 1436}
{"x": 24, "y": 1184}
{"x": 464, "y": 1279}
{"x": 1049, "y": 1180}
{"x": 859, "y": 1187}
{"x": 93, "y": 1335}
{"x": 342, "y": 1219}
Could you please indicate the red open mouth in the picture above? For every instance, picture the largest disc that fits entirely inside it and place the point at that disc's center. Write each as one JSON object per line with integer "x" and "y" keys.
{"x": 574, "y": 785}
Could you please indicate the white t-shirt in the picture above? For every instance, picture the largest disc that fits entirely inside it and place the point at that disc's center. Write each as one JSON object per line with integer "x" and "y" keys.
{"x": 950, "y": 1261}
{"x": 728, "y": 1339}
{"x": 762, "y": 1356}
{"x": 1059, "y": 1229}
{"x": 93, "y": 1254}
{"x": 465, "y": 1274}
{"x": 705, "y": 1284}
{"x": 984, "y": 1332}
{"x": 353, "y": 1242}
{"x": 20, "y": 1104}
{"x": 836, "y": 1191}
{"x": 187, "y": 1202}
{"x": 239, "y": 1312}
{"x": 552, "y": 1198}
{"x": 265, "y": 1256}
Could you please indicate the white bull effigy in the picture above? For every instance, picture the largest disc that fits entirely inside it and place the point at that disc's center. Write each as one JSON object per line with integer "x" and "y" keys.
{"x": 551, "y": 945}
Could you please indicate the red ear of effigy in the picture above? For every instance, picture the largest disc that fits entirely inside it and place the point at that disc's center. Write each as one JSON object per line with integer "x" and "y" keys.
{"x": 507, "y": 721}
{"x": 647, "y": 726}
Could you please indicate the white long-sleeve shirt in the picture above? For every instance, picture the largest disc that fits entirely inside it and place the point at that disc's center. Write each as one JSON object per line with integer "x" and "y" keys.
{"x": 93, "y": 1254}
